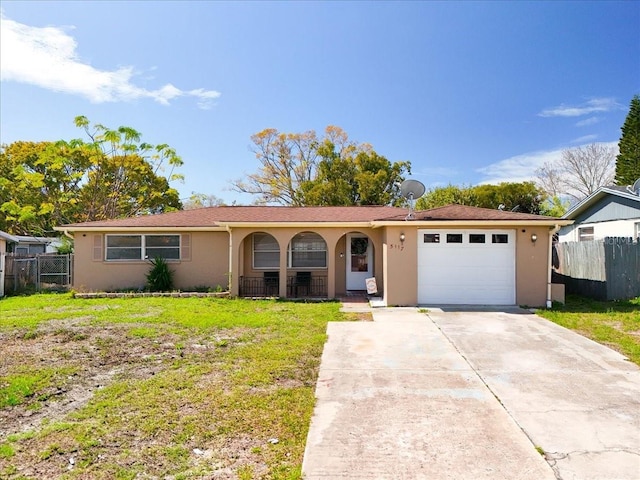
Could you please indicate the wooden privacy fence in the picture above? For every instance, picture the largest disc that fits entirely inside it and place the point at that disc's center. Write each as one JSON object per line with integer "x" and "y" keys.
{"x": 606, "y": 269}
{"x": 29, "y": 273}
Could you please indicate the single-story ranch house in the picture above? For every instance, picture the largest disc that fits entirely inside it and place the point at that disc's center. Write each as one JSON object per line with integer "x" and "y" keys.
{"x": 448, "y": 255}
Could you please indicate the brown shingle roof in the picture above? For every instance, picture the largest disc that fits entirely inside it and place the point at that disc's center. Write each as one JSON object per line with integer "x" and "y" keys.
{"x": 219, "y": 216}
{"x": 214, "y": 216}
{"x": 466, "y": 213}
{"x": 463, "y": 212}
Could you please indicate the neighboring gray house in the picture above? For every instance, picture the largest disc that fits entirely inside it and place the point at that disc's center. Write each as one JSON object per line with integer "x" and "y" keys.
{"x": 608, "y": 212}
{"x": 30, "y": 245}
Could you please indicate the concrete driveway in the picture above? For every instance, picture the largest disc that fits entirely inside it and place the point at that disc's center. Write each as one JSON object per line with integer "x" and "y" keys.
{"x": 471, "y": 395}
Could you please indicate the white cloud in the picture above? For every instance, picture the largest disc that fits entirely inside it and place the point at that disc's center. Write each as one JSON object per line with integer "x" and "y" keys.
{"x": 47, "y": 57}
{"x": 521, "y": 168}
{"x": 585, "y": 139}
{"x": 605, "y": 104}
{"x": 588, "y": 121}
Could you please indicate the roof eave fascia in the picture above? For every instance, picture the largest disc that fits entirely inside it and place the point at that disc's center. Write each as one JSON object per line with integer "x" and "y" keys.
{"x": 139, "y": 229}
{"x": 475, "y": 223}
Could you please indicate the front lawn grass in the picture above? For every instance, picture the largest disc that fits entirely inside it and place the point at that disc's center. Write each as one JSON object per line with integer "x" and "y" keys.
{"x": 182, "y": 388}
{"x": 615, "y": 324}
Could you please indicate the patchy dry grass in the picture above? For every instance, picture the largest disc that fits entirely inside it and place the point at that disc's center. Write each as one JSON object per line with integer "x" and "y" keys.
{"x": 615, "y": 324}
{"x": 176, "y": 388}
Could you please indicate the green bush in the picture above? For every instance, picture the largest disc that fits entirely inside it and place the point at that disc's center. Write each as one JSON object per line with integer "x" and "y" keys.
{"x": 160, "y": 277}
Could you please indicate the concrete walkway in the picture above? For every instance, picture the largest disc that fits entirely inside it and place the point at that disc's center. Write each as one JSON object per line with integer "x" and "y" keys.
{"x": 415, "y": 396}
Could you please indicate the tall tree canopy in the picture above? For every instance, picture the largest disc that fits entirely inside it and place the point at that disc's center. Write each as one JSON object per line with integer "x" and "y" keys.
{"x": 579, "y": 172}
{"x": 523, "y": 197}
{"x": 628, "y": 160}
{"x": 301, "y": 169}
{"x": 112, "y": 175}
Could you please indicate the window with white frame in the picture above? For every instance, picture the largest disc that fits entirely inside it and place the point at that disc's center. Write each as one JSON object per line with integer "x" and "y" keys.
{"x": 266, "y": 251}
{"x": 585, "y": 234}
{"x": 307, "y": 250}
{"x": 141, "y": 247}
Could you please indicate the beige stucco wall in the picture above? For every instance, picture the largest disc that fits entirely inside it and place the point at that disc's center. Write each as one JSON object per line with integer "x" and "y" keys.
{"x": 532, "y": 266}
{"x": 401, "y": 266}
{"x": 336, "y": 244}
{"x": 3, "y": 245}
{"x": 401, "y": 271}
{"x": 207, "y": 266}
{"x": 396, "y": 277}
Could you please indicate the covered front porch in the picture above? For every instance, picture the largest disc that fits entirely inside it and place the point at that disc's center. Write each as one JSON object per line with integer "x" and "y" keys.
{"x": 300, "y": 263}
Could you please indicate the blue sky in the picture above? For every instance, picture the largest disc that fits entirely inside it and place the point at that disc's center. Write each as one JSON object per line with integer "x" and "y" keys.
{"x": 469, "y": 92}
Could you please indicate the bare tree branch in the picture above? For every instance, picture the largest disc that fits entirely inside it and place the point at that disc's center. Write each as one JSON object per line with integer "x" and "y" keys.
{"x": 579, "y": 172}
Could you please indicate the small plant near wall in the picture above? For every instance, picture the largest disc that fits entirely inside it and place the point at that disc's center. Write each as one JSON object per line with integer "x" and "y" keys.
{"x": 160, "y": 277}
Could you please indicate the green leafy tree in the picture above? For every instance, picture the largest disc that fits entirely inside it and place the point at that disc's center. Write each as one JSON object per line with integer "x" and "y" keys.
{"x": 45, "y": 184}
{"x": 302, "y": 169}
{"x": 523, "y": 197}
{"x": 554, "y": 207}
{"x": 354, "y": 177}
{"x": 628, "y": 160}
{"x": 125, "y": 177}
{"x": 40, "y": 183}
{"x": 441, "y": 196}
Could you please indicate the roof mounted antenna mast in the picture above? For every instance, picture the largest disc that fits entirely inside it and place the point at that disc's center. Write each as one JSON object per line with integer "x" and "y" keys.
{"x": 411, "y": 190}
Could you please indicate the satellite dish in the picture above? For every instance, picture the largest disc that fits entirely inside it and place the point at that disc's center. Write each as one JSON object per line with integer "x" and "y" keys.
{"x": 636, "y": 187}
{"x": 411, "y": 190}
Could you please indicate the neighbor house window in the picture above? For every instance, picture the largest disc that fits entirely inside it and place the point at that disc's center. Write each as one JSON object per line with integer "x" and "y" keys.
{"x": 141, "y": 247}
{"x": 307, "y": 250}
{"x": 585, "y": 234}
{"x": 266, "y": 251}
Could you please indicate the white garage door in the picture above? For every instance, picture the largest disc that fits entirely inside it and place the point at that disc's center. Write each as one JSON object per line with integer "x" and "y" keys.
{"x": 472, "y": 267}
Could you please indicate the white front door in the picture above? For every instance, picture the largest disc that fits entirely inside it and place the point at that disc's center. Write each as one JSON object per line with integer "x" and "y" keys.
{"x": 359, "y": 261}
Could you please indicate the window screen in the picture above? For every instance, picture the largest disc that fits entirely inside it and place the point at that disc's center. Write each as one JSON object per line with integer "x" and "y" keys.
{"x": 266, "y": 251}
{"x": 164, "y": 246}
{"x": 124, "y": 247}
{"x": 307, "y": 250}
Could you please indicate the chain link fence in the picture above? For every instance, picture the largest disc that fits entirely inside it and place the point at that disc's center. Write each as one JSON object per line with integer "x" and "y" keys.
{"x": 35, "y": 273}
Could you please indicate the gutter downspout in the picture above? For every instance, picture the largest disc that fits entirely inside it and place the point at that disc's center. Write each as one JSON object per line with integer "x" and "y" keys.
{"x": 230, "y": 282}
{"x": 67, "y": 234}
{"x": 552, "y": 232}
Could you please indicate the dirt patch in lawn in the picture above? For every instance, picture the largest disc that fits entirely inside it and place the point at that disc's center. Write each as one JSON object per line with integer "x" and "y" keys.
{"x": 85, "y": 358}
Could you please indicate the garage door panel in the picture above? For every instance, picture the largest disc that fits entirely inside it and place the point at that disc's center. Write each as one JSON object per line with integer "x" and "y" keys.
{"x": 466, "y": 273}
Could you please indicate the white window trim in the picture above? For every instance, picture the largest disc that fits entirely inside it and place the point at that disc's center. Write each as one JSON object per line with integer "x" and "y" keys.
{"x": 143, "y": 247}
{"x": 588, "y": 236}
